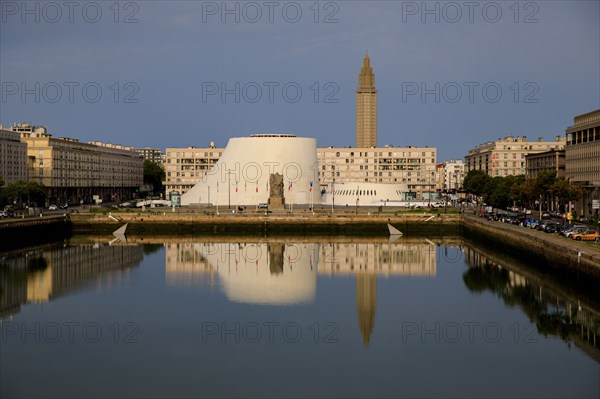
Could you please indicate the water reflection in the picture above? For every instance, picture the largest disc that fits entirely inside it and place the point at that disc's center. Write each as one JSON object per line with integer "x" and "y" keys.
{"x": 280, "y": 273}
{"x": 553, "y": 310}
{"x": 46, "y": 273}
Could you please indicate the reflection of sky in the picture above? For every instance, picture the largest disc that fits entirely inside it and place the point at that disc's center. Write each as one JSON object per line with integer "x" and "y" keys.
{"x": 171, "y": 359}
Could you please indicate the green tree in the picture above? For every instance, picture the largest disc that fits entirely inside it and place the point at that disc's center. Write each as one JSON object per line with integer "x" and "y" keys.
{"x": 27, "y": 192}
{"x": 154, "y": 175}
{"x": 475, "y": 182}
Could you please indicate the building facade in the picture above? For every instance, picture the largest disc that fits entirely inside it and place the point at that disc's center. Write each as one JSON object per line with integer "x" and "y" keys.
{"x": 73, "y": 171}
{"x": 151, "y": 154}
{"x": 184, "y": 167}
{"x": 506, "y": 157}
{"x": 13, "y": 157}
{"x": 582, "y": 156}
{"x": 553, "y": 160}
{"x": 366, "y": 107}
{"x": 413, "y": 166}
{"x": 454, "y": 175}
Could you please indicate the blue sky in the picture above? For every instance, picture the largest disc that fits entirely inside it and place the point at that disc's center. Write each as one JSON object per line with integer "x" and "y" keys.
{"x": 161, "y": 67}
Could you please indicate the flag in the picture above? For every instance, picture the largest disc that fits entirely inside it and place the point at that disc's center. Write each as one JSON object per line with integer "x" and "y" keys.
{"x": 236, "y": 186}
{"x": 290, "y": 186}
{"x": 257, "y": 186}
{"x": 310, "y": 190}
{"x": 267, "y": 186}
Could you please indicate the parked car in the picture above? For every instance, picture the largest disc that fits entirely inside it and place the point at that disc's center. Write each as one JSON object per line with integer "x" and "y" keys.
{"x": 3, "y": 214}
{"x": 551, "y": 227}
{"x": 519, "y": 220}
{"x": 575, "y": 230}
{"x": 589, "y": 235}
{"x": 263, "y": 206}
{"x": 52, "y": 208}
{"x": 532, "y": 223}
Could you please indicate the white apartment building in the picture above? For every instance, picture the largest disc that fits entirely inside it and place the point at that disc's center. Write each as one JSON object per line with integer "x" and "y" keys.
{"x": 506, "y": 157}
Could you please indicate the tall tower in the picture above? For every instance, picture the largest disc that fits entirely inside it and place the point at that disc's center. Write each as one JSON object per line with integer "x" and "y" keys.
{"x": 366, "y": 107}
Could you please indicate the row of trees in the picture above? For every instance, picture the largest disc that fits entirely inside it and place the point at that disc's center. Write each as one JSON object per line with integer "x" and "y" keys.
{"x": 503, "y": 192}
{"x": 22, "y": 192}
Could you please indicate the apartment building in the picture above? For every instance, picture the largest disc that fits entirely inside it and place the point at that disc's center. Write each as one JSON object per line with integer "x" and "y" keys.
{"x": 74, "y": 171}
{"x": 414, "y": 166}
{"x": 13, "y": 157}
{"x": 184, "y": 167}
{"x": 553, "y": 160}
{"x": 506, "y": 156}
{"x": 454, "y": 175}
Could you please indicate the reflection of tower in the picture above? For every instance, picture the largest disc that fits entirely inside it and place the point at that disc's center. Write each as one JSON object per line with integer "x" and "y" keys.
{"x": 366, "y": 303}
{"x": 276, "y": 258}
{"x": 366, "y": 107}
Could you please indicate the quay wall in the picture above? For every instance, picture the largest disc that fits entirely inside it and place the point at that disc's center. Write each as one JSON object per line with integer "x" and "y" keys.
{"x": 549, "y": 250}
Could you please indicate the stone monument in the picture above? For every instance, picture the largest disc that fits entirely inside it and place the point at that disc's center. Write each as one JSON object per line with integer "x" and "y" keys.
{"x": 276, "y": 199}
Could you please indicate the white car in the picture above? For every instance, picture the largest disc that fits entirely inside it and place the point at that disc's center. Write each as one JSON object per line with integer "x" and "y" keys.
{"x": 52, "y": 208}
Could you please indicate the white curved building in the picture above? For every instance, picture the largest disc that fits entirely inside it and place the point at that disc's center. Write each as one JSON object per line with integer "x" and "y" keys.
{"x": 365, "y": 194}
{"x": 241, "y": 176}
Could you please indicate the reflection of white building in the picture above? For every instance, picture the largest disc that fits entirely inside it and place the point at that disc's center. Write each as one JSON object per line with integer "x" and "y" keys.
{"x": 274, "y": 273}
{"x": 366, "y": 194}
{"x": 398, "y": 258}
{"x": 241, "y": 176}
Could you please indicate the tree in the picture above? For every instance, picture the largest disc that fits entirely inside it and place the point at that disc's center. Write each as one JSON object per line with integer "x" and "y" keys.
{"x": 565, "y": 191}
{"x": 25, "y": 191}
{"x": 154, "y": 174}
{"x": 475, "y": 182}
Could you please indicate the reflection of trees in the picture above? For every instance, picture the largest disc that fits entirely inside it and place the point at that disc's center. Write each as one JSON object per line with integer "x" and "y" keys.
{"x": 149, "y": 249}
{"x": 552, "y": 315}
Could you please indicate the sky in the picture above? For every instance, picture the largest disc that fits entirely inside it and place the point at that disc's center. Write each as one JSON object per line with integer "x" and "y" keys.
{"x": 449, "y": 75}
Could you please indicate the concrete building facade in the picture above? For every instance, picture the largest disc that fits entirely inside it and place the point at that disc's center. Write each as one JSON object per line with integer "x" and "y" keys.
{"x": 73, "y": 171}
{"x": 506, "y": 157}
{"x": 151, "y": 154}
{"x": 413, "y": 166}
{"x": 184, "y": 167}
{"x": 582, "y": 156}
{"x": 366, "y": 107}
{"x": 454, "y": 175}
{"x": 13, "y": 157}
{"x": 553, "y": 160}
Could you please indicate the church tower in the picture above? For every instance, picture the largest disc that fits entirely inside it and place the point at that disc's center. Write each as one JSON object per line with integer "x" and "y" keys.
{"x": 366, "y": 107}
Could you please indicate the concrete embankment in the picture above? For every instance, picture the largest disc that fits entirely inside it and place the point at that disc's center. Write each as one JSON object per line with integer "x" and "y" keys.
{"x": 16, "y": 233}
{"x": 550, "y": 250}
{"x": 298, "y": 224}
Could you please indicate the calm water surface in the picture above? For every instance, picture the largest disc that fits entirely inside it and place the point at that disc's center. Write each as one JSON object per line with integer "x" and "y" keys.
{"x": 315, "y": 317}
